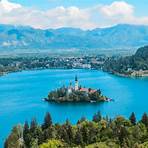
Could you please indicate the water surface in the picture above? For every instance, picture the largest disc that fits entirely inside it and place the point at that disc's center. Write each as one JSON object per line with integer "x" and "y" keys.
{"x": 21, "y": 96}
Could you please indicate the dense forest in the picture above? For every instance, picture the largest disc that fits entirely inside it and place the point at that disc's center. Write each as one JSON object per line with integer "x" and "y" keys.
{"x": 126, "y": 65}
{"x": 101, "y": 132}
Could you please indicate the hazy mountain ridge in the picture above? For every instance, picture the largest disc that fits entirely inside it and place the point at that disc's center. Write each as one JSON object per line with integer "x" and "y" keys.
{"x": 119, "y": 36}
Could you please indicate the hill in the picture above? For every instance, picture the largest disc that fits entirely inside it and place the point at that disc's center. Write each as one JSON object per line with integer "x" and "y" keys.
{"x": 136, "y": 65}
{"x": 24, "y": 38}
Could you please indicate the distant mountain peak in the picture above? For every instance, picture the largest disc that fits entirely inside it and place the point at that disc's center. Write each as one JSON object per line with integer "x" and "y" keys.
{"x": 27, "y": 38}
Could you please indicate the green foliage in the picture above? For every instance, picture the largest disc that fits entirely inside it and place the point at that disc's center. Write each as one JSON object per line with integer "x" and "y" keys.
{"x": 144, "y": 119}
{"x": 33, "y": 125}
{"x": 101, "y": 132}
{"x": 127, "y": 65}
{"x": 52, "y": 144}
{"x": 15, "y": 139}
{"x": 133, "y": 118}
{"x": 61, "y": 95}
{"x": 97, "y": 117}
{"x": 103, "y": 145}
{"x": 26, "y": 134}
{"x": 47, "y": 121}
{"x": 143, "y": 145}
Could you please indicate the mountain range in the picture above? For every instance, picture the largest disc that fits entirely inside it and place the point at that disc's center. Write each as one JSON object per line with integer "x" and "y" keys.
{"x": 115, "y": 37}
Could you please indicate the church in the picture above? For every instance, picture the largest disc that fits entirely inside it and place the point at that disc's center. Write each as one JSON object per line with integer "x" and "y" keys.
{"x": 79, "y": 88}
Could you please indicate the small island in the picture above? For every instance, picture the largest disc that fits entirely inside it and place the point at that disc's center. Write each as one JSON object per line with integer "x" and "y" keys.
{"x": 76, "y": 94}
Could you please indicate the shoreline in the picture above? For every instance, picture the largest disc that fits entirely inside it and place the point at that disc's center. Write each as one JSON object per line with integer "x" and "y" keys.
{"x": 69, "y": 102}
{"x": 130, "y": 76}
{"x": 135, "y": 74}
{"x": 6, "y": 73}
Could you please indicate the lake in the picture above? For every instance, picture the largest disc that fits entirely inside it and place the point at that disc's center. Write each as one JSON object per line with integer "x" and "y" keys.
{"x": 21, "y": 96}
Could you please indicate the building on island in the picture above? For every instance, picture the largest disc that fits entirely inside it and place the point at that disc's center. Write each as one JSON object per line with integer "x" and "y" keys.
{"x": 70, "y": 88}
{"x": 76, "y": 93}
{"x": 76, "y": 83}
{"x": 78, "y": 88}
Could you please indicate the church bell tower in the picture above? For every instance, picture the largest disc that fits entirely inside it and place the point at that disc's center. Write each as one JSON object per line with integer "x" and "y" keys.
{"x": 76, "y": 83}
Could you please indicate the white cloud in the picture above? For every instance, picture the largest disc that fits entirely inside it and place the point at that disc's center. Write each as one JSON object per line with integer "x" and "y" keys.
{"x": 117, "y": 8}
{"x": 7, "y": 6}
{"x": 11, "y": 13}
{"x": 98, "y": 16}
{"x": 122, "y": 12}
{"x": 71, "y": 16}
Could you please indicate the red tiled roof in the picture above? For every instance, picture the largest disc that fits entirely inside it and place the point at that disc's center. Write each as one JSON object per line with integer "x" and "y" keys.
{"x": 87, "y": 90}
{"x": 84, "y": 89}
{"x": 93, "y": 91}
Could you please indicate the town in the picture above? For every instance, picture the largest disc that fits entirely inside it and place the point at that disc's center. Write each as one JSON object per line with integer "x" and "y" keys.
{"x": 30, "y": 63}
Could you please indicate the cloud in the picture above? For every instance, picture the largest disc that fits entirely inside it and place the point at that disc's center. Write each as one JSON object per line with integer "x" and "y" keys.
{"x": 118, "y": 8}
{"x": 71, "y": 16}
{"x": 7, "y": 6}
{"x": 122, "y": 12}
{"x": 11, "y": 13}
{"x": 86, "y": 18}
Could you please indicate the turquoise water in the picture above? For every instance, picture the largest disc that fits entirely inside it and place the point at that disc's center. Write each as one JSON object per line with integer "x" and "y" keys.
{"x": 21, "y": 96}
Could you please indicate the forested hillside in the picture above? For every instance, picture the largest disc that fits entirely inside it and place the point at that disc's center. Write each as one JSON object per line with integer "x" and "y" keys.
{"x": 127, "y": 65}
{"x": 100, "y": 132}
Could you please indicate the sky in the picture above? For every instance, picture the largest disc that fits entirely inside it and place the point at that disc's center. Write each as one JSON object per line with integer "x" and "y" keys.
{"x": 84, "y": 14}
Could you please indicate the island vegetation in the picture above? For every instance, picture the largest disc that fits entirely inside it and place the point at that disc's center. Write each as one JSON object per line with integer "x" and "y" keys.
{"x": 61, "y": 95}
{"x": 101, "y": 132}
{"x": 76, "y": 94}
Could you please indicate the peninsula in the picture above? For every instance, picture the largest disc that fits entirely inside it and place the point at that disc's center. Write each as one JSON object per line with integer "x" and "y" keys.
{"x": 130, "y": 66}
{"x": 76, "y": 94}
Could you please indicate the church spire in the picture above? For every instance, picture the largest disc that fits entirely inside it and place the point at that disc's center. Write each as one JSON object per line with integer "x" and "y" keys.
{"x": 76, "y": 83}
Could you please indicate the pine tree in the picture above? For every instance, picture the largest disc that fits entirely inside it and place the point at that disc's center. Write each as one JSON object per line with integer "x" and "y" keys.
{"x": 69, "y": 130}
{"x": 33, "y": 125}
{"x": 48, "y": 133}
{"x": 144, "y": 119}
{"x": 97, "y": 117}
{"x": 65, "y": 134}
{"x": 132, "y": 118}
{"x": 26, "y": 134}
{"x": 26, "y": 128}
{"x": 85, "y": 134}
{"x": 13, "y": 141}
{"x": 47, "y": 121}
{"x": 79, "y": 138}
{"x": 122, "y": 134}
{"x": 41, "y": 138}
